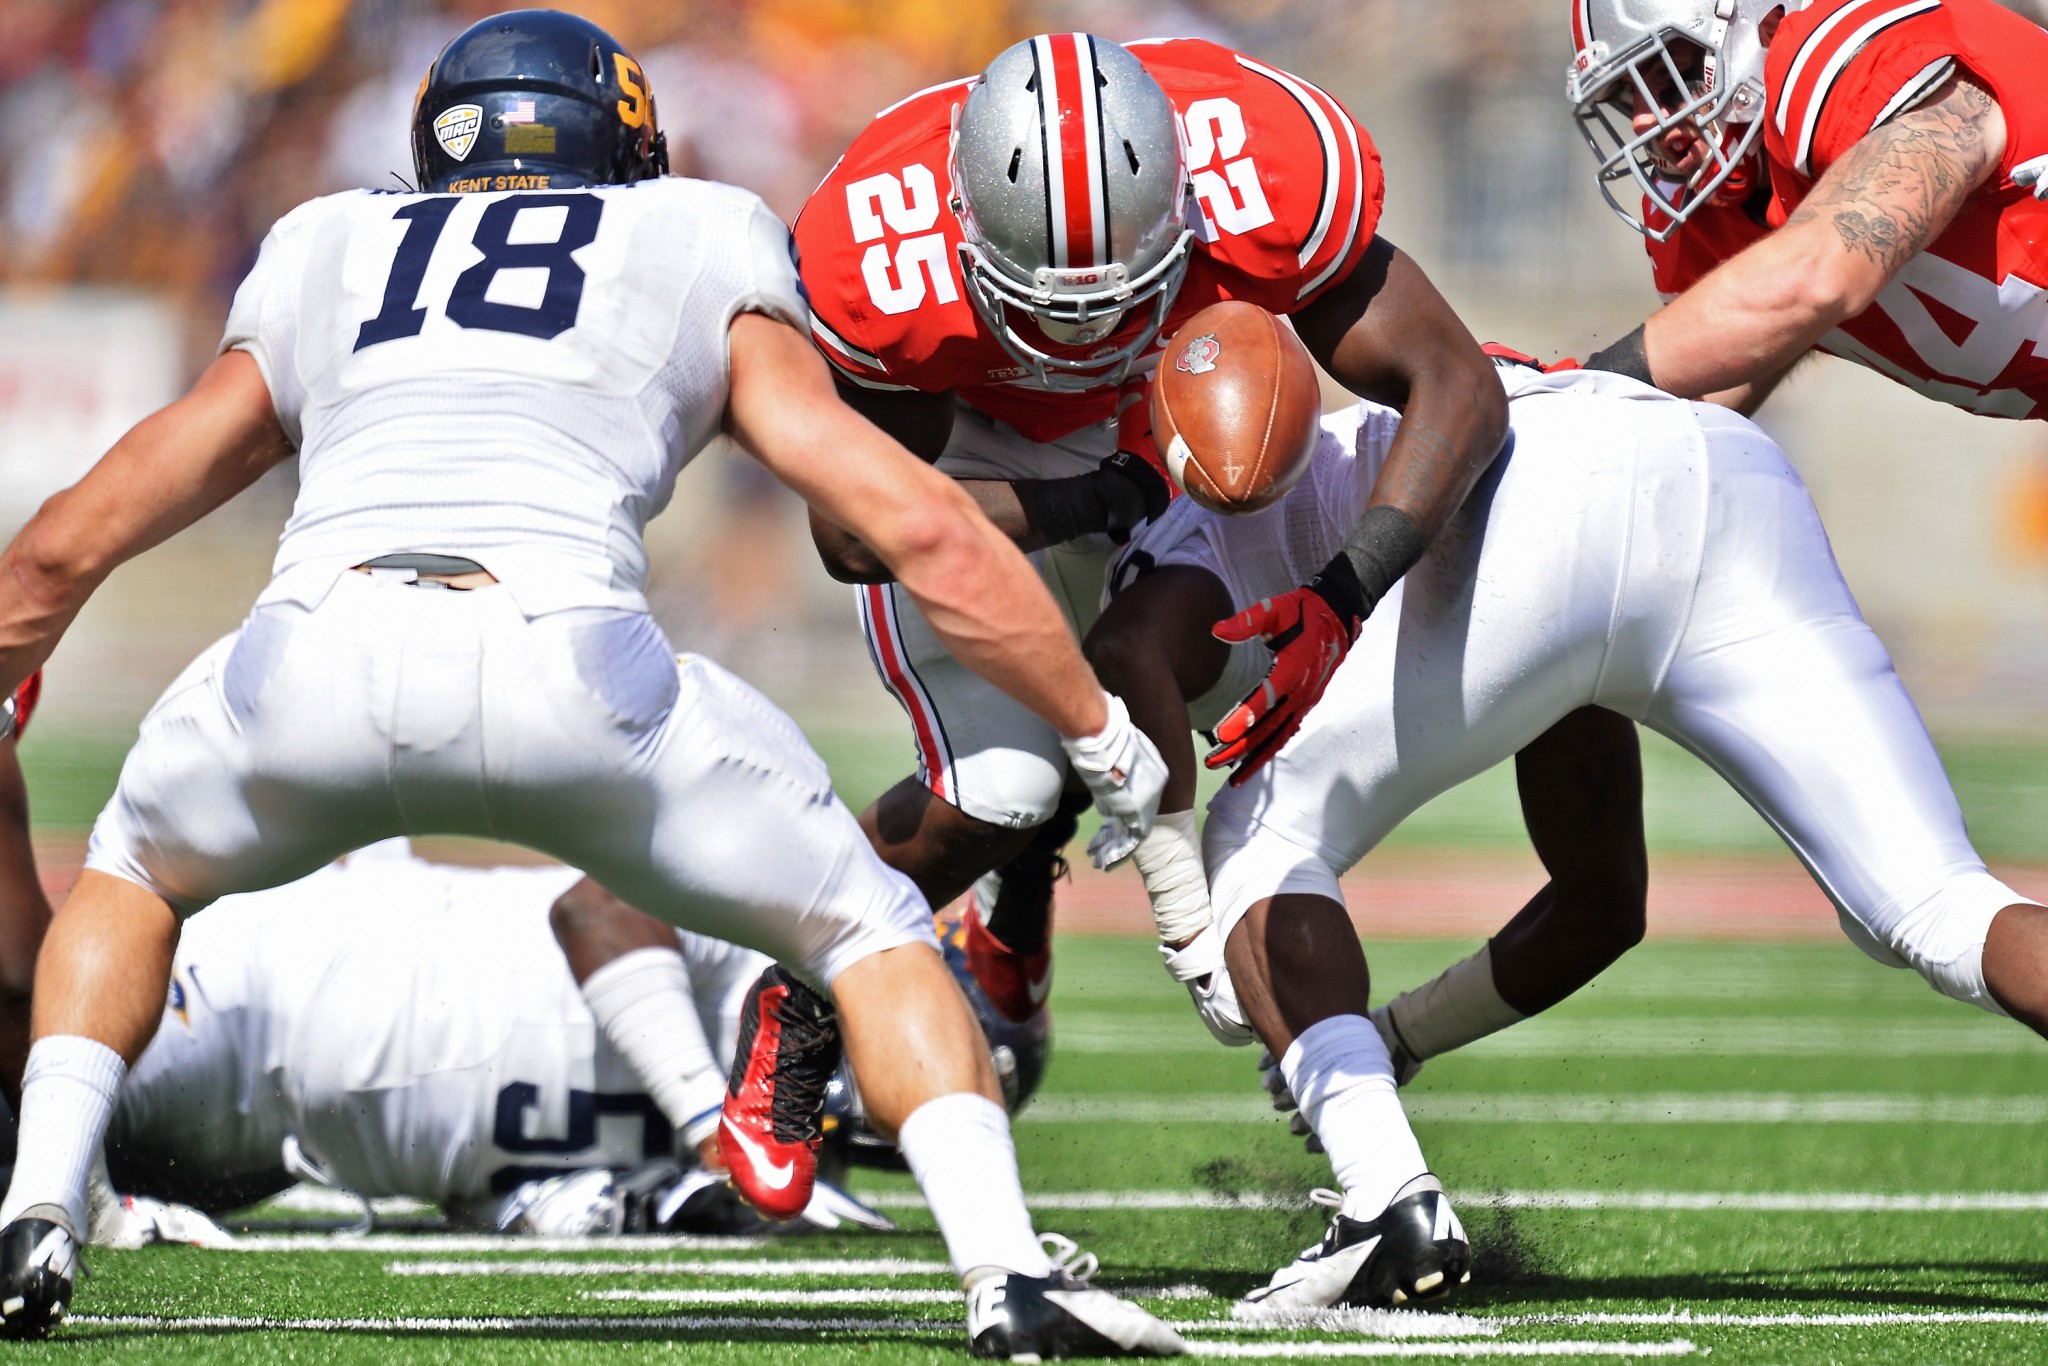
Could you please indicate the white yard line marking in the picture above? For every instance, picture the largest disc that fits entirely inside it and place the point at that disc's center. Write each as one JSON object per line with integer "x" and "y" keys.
{"x": 1669, "y": 1107}
{"x": 524, "y": 1324}
{"x": 1676, "y": 1347}
{"x": 924, "y": 1328}
{"x": 1101, "y": 1032}
{"x": 1690, "y": 1319}
{"x": 850, "y": 1295}
{"x": 1371, "y": 1323}
{"x": 485, "y": 1242}
{"x": 758, "y": 1267}
{"x": 1790, "y": 1202}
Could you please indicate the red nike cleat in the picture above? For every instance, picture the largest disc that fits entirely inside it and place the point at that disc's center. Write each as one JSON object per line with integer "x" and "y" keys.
{"x": 768, "y": 1131}
{"x": 1016, "y": 984}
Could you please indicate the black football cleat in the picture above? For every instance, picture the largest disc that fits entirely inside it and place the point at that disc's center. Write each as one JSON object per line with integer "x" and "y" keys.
{"x": 769, "y": 1130}
{"x": 1013, "y": 1317}
{"x": 38, "y": 1262}
{"x": 1414, "y": 1252}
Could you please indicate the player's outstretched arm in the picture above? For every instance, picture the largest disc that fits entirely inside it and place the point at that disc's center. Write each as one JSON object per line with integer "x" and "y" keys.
{"x": 1385, "y": 333}
{"x": 978, "y": 592}
{"x": 1872, "y": 211}
{"x": 171, "y": 469}
{"x": 1032, "y": 513}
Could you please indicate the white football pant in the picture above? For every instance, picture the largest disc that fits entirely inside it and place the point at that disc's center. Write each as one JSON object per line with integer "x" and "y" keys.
{"x": 391, "y": 709}
{"x": 1663, "y": 560}
{"x": 977, "y": 747}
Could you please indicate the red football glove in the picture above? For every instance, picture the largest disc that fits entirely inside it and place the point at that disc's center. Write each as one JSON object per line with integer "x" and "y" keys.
{"x": 1508, "y": 353}
{"x": 1309, "y": 637}
{"x": 24, "y": 701}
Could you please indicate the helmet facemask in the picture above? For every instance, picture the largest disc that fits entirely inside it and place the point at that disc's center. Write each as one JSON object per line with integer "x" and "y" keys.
{"x": 1692, "y": 88}
{"x": 1045, "y": 272}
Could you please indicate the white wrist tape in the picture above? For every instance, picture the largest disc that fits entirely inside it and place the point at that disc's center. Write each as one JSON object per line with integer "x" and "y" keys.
{"x": 1170, "y": 861}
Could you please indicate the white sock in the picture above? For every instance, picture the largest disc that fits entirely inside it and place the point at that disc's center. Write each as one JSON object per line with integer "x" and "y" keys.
{"x": 959, "y": 1149}
{"x": 67, "y": 1098}
{"x": 643, "y": 1003}
{"x": 1343, "y": 1080}
{"x": 1456, "y": 1007}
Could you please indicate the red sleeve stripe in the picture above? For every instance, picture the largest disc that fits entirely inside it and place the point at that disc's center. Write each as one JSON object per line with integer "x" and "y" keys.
{"x": 1336, "y": 159}
{"x": 1829, "y": 49}
{"x": 1070, "y": 126}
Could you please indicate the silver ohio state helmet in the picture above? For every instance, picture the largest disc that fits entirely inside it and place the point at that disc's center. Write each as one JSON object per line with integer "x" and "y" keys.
{"x": 1072, "y": 193}
{"x": 1625, "y": 51}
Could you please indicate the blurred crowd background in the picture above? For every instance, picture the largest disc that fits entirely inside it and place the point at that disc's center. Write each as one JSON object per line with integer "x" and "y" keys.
{"x": 149, "y": 144}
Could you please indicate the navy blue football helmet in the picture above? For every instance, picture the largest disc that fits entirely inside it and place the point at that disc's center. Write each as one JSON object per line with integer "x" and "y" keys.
{"x": 1019, "y": 1053}
{"x": 534, "y": 99}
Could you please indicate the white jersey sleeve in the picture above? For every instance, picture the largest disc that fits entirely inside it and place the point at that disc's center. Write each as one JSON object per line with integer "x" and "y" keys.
{"x": 263, "y": 321}
{"x": 516, "y": 378}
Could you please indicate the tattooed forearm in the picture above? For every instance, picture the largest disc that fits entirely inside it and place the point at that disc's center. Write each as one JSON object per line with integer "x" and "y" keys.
{"x": 1899, "y": 187}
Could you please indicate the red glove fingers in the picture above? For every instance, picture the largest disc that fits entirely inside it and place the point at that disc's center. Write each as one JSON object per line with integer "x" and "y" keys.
{"x": 1309, "y": 640}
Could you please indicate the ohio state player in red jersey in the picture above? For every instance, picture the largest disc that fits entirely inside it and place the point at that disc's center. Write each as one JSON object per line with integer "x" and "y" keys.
{"x": 1902, "y": 145}
{"x": 993, "y": 267}
{"x": 1900, "y": 142}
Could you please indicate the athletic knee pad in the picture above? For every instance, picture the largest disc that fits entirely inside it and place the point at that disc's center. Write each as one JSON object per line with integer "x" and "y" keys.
{"x": 1248, "y": 865}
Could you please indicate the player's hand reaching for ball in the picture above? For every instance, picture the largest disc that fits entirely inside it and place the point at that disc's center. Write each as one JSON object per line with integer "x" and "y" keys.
{"x": 1125, "y": 775}
{"x": 1309, "y": 631}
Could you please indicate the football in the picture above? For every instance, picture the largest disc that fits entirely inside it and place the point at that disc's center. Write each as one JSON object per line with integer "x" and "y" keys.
{"x": 1235, "y": 407}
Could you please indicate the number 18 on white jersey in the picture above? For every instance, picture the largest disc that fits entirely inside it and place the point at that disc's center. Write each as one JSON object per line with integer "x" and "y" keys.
{"x": 513, "y": 378}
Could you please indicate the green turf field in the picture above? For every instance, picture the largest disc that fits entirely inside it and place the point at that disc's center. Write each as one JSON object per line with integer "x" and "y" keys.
{"x": 1766, "y": 1154}
{"x": 2001, "y": 781}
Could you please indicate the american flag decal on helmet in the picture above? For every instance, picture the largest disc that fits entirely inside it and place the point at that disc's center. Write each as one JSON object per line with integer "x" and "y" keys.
{"x": 1070, "y": 124}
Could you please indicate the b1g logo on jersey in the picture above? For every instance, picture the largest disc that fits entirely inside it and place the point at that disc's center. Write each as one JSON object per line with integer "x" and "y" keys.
{"x": 455, "y": 128}
{"x": 906, "y": 204}
{"x": 1198, "y": 357}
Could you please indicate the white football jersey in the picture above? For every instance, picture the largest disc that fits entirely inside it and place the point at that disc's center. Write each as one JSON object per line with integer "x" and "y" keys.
{"x": 414, "y": 1025}
{"x": 515, "y": 378}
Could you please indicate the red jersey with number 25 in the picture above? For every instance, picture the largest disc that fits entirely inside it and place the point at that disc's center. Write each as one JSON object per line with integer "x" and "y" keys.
{"x": 1287, "y": 190}
{"x": 1966, "y": 320}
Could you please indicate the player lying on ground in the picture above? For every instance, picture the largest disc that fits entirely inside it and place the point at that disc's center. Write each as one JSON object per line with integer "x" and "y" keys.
{"x": 490, "y": 386}
{"x": 1812, "y": 172}
{"x": 1632, "y": 551}
{"x": 406, "y": 1028}
{"x": 992, "y": 268}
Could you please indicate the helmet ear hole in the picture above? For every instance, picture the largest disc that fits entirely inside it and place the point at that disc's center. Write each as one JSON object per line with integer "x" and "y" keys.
{"x": 597, "y": 63}
{"x": 1130, "y": 154}
{"x": 1017, "y": 160}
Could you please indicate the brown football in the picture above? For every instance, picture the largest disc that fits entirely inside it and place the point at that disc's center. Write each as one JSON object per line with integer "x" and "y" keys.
{"x": 1235, "y": 407}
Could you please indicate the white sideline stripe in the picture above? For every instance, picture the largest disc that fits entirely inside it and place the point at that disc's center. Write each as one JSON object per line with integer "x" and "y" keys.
{"x": 759, "y": 1267}
{"x": 850, "y": 1295}
{"x": 483, "y": 1242}
{"x": 1664, "y": 1107}
{"x": 1789, "y": 1202}
{"x": 1687, "y": 1318}
{"x": 1676, "y": 1347}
